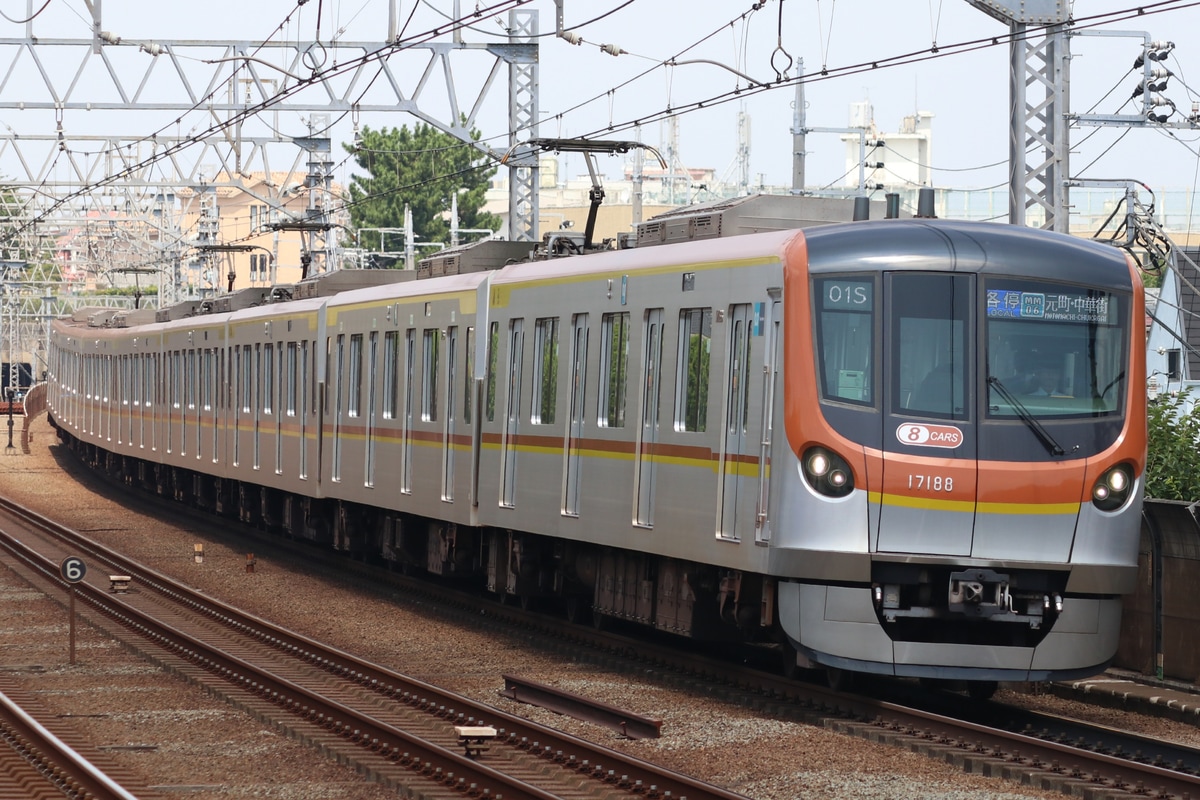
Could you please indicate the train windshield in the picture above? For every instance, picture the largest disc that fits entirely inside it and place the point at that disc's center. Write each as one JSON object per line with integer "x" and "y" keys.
{"x": 1054, "y": 350}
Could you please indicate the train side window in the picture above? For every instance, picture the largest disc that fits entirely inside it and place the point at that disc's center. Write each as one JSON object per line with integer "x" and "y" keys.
{"x": 292, "y": 355}
{"x": 189, "y": 385}
{"x": 493, "y": 346}
{"x": 354, "y": 403}
{"x": 206, "y": 398}
{"x": 148, "y": 379}
{"x": 429, "y": 374}
{"x": 614, "y": 370}
{"x": 695, "y": 351}
{"x": 845, "y": 338}
{"x": 268, "y": 378}
{"x": 391, "y": 373}
{"x": 247, "y": 366}
{"x": 545, "y": 369}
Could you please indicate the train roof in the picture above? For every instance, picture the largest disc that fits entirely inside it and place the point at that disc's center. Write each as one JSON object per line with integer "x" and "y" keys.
{"x": 749, "y": 248}
{"x": 916, "y": 244}
{"x": 900, "y": 244}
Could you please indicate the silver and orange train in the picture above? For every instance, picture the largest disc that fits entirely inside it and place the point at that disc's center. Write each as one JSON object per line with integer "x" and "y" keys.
{"x": 827, "y": 439}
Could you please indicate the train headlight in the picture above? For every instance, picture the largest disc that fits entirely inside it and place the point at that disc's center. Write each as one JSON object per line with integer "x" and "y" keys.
{"x": 827, "y": 472}
{"x": 1112, "y": 489}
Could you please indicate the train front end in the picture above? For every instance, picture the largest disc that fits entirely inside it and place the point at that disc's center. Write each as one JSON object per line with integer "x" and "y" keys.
{"x": 965, "y": 418}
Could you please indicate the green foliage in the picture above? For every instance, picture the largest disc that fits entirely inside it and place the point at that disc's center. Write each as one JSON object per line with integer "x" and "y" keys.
{"x": 423, "y": 168}
{"x": 125, "y": 291}
{"x": 1173, "y": 462}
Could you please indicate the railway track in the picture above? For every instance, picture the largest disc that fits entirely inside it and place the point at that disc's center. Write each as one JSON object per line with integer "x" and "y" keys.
{"x": 396, "y": 730}
{"x": 39, "y": 764}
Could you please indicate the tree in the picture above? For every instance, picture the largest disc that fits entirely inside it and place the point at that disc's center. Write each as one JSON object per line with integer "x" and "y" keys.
{"x": 1173, "y": 461}
{"x": 422, "y": 168}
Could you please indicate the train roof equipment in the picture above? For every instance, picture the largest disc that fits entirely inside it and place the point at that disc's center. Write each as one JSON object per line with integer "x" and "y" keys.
{"x": 480, "y": 256}
{"x": 750, "y": 214}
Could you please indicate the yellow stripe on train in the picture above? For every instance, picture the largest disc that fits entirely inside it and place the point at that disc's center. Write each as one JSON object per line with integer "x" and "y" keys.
{"x": 935, "y": 504}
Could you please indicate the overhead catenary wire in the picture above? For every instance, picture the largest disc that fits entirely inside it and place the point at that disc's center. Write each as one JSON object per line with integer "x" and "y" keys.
{"x": 30, "y": 18}
{"x": 913, "y": 57}
{"x": 239, "y": 117}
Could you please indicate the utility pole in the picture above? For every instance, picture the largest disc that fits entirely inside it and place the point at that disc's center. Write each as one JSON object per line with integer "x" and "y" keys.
{"x": 799, "y": 114}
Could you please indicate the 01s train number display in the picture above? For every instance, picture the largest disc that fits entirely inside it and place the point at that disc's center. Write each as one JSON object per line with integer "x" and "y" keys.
{"x": 855, "y": 295}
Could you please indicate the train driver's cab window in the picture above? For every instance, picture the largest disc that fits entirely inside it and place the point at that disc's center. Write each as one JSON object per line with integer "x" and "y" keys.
{"x": 845, "y": 311}
{"x": 1054, "y": 349}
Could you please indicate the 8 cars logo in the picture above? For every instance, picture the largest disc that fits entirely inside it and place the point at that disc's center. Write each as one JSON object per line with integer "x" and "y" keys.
{"x": 929, "y": 435}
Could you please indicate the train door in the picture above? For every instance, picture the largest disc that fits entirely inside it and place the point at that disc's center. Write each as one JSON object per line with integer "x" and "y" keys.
{"x": 280, "y": 402}
{"x": 771, "y": 328}
{"x": 339, "y": 401}
{"x": 512, "y": 415}
{"x": 212, "y": 400}
{"x": 406, "y": 441}
{"x": 306, "y": 404}
{"x": 239, "y": 389}
{"x": 371, "y": 377}
{"x": 739, "y": 450}
{"x": 290, "y": 404}
{"x": 929, "y": 436}
{"x": 648, "y": 431}
{"x": 256, "y": 408}
{"x": 124, "y": 407}
{"x": 175, "y": 392}
{"x": 448, "y": 430}
{"x": 575, "y": 423}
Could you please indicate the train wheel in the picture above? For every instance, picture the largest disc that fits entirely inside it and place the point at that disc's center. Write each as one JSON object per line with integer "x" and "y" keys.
{"x": 575, "y": 608}
{"x": 839, "y": 679}
{"x": 788, "y": 658}
{"x": 981, "y": 690}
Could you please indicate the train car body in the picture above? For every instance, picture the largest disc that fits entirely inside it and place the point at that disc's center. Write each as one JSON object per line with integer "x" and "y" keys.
{"x": 828, "y": 439}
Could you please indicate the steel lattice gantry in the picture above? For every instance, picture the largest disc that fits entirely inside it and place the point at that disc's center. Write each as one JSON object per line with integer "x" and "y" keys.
{"x": 111, "y": 126}
{"x": 1038, "y": 146}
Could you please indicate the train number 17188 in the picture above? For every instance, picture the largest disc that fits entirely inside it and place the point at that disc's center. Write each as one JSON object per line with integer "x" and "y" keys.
{"x": 931, "y": 483}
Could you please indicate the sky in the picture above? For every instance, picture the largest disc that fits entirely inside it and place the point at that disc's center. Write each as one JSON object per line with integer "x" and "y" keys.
{"x": 585, "y": 91}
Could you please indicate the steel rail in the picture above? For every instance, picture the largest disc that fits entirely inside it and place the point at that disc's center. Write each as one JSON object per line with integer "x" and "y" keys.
{"x": 55, "y": 760}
